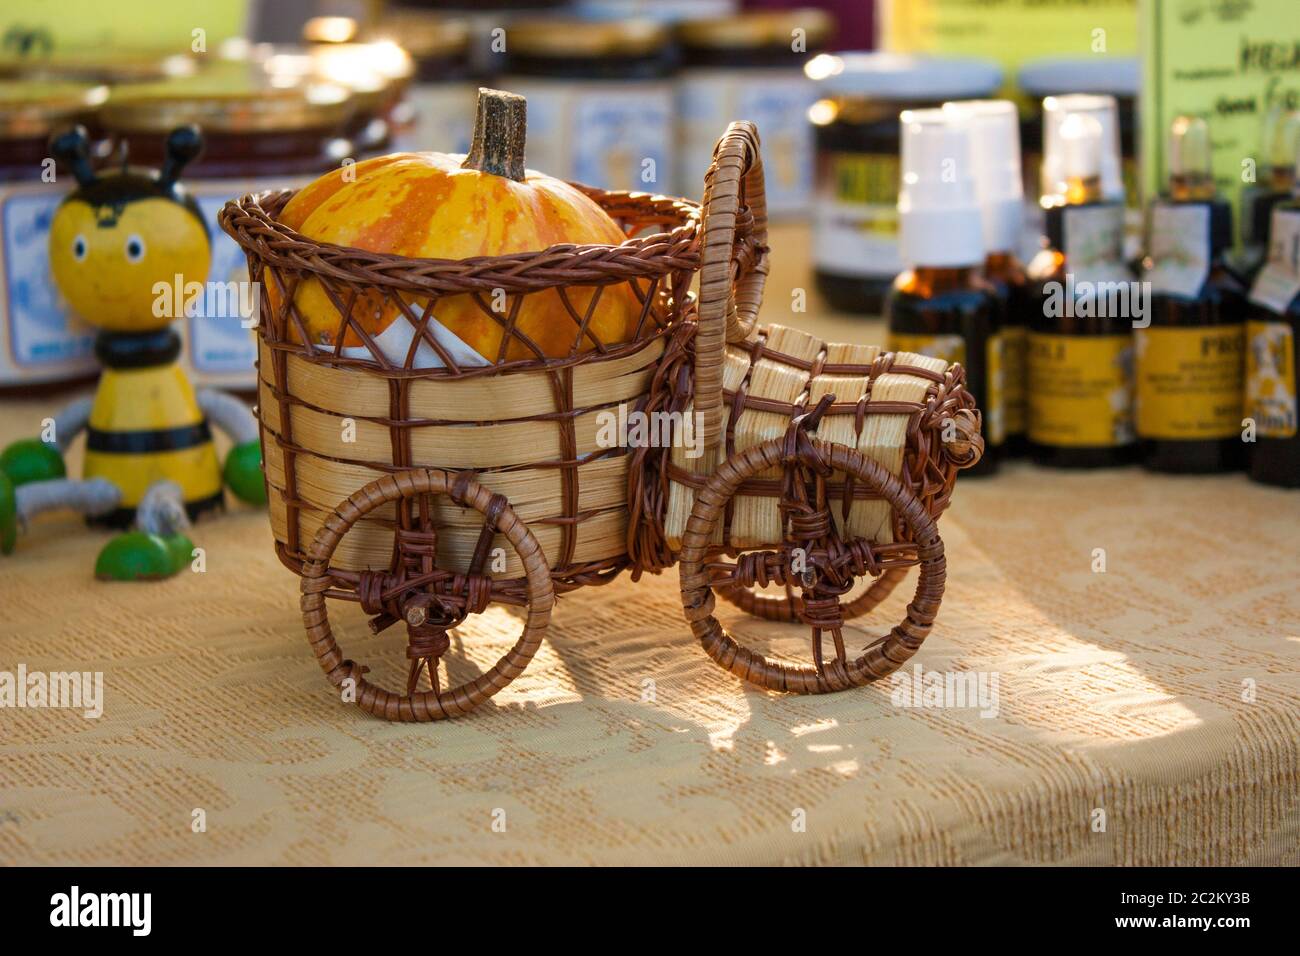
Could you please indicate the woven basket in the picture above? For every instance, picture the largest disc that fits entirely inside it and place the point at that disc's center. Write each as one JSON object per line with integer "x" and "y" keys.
{"x": 527, "y": 428}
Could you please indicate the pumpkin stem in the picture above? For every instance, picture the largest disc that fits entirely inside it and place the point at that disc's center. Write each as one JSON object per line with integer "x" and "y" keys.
{"x": 500, "y": 130}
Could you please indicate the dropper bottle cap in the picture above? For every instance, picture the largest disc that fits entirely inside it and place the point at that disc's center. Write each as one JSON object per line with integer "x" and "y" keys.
{"x": 995, "y": 149}
{"x": 939, "y": 214}
{"x": 1191, "y": 174}
{"x": 1104, "y": 111}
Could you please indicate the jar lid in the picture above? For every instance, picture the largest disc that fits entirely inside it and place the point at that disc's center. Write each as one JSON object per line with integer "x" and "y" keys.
{"x": 904, "y": 77}
{"x": 1116, "y": 75}
{"x": 328, "y": 29}
{"x": 424, "y": 36}
{"x": 31, "y": 109}
{"x": 372, "y": 72}
{"x": 562, "y": 38}
{"x": 756, "y": 30}
{"x": 231, "y": 98}
{"x": 98, "y": 66}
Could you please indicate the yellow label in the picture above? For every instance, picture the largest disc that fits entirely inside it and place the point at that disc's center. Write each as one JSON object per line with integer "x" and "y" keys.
{"x": 1271, "y": 378}
{"x": 995, "y": 410}
{"x": 868, "y": 178}
{"x": 950, "y": 348}
{"x": 1189, "y": 382}
{"x": 1014, "y": 344}
{"x": 1080, "y": 390}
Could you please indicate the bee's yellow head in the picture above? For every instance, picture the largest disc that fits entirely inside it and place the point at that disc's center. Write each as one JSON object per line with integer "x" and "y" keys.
{"x": 121, "y": 233}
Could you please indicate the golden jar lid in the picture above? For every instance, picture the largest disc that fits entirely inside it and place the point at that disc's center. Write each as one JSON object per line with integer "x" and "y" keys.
{"x": 31, "y": 109}
{"x": 757, "y": 29}
{"x": 228, "y": 97}
{"x": 586, "y": 38}
{"x": 97, "y": 66}
{"x": 329, "y": 29}
{"x": 424, "y": 36}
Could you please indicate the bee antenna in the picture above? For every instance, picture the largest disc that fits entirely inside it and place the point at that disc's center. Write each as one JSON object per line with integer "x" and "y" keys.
{"x": 184, "y": 144}
{"x": 72, "y": 149}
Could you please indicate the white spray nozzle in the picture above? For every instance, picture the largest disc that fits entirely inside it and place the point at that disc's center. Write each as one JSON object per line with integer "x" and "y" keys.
{"x": 939, "y": 214}
{"x": 995, "y": 150}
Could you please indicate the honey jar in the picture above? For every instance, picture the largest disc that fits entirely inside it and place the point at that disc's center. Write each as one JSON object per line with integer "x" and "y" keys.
{"x": 600, "y": 100}
{"x": 42, "y": 343}
{"x": 750, "y": 65}
{"x": 440, "y": 102}
{"x": 263, "y": 130}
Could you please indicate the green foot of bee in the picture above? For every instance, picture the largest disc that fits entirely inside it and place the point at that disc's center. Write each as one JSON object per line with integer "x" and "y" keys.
{"x": 136, "y": 556}
{"x": 31, "y": 460}
{"x": 243, "y": 473}
{"x": 8, "y": 515}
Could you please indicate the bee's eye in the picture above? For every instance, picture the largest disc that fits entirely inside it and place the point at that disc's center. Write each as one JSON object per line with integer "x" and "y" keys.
{"x": 134, "y": 248}
{"x": 79, "y": 248}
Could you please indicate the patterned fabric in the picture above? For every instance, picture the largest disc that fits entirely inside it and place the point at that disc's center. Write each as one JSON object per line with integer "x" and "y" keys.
{"x": 1119, "y": 692}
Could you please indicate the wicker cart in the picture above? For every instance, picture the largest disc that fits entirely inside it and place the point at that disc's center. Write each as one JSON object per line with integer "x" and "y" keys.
{"x": 457, "y": 487}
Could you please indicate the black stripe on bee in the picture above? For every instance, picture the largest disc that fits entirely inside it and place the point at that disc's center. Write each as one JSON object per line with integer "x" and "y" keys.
{"x": 144, "y": 442}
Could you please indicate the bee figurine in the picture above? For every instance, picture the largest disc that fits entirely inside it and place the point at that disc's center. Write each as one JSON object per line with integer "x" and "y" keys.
{"x": 150, "y": 461}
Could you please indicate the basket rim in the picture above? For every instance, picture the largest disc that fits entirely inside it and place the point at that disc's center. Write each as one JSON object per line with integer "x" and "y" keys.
{"x": 563, "y": 264}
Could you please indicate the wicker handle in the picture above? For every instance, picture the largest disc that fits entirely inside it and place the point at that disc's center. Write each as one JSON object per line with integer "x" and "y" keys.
{"x": 733, "y": 263}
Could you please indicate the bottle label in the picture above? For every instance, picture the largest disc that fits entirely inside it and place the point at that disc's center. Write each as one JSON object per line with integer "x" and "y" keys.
{"x": 856, "y": 213}
{"x": 1179, "y": 248}
{"x": 995, "y": 410}
{"x": 1014, "y": 395}
{"x": 1189, "y": 382}
{"x": 42, "y": 339}
{"x": 1278, "y": 283}
{"x": 1271, "y": 378}
{"x": 1093, "y": 243}
{"x": 1080, "y": 390}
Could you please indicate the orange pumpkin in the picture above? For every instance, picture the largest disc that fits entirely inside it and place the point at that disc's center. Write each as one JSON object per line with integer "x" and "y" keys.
{"x": 434, "y": 205}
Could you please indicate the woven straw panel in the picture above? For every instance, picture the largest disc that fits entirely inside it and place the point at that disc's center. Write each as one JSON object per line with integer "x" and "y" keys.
{"x": 1120, "y": 691}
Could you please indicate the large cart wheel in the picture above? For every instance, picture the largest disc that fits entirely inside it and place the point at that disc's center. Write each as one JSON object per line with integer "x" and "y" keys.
{"x": 429, "y": 600}
{"x": 825, "y": 572}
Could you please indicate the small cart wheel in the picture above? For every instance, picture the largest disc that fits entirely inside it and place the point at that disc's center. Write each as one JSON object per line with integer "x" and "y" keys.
{"x": 429, "y": 600}
{"x": 700, "y": 575}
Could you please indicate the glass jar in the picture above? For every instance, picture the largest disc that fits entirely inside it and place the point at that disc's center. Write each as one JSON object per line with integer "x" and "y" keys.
{"x": 1060, "y": 76}
{"x": 600, "y": 100}
{"x": 856, "y": 132}
{"x": 442, "y": 98}
{"x": 750, "y": 66}
{"x": 42, "y": 343}
{"x": 261, "y": 130}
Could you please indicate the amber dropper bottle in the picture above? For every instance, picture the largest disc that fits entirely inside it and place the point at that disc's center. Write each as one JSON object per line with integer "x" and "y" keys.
{"x": 1080, "y": 357}
{"x": 1190, "y": 360}
{"x": 939, "y": 304}
{"x": 1273, "y": 354}
{"x": 995, "y": 146}
{"x": 1275, "y": 180}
